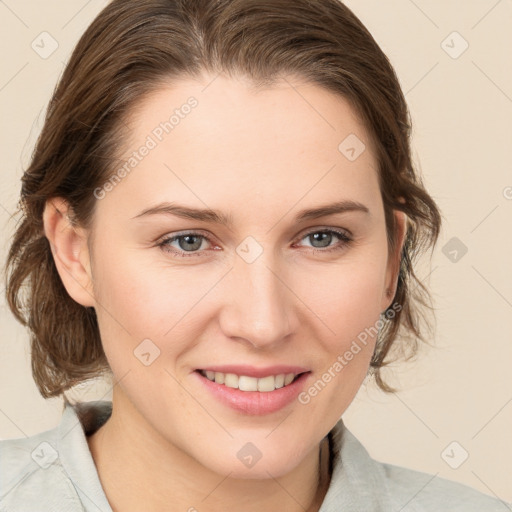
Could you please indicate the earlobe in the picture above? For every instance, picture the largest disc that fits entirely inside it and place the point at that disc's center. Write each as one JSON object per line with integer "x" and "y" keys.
{"x": 69, "y": 249}
{"x": 395, "y": 260}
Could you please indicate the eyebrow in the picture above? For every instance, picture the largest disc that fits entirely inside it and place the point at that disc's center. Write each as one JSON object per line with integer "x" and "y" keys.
{"x": 217, "y": 217}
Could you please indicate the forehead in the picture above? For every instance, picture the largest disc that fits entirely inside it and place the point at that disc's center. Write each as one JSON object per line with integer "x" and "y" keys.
{"x": 220, "y": 140}
{"x": 298, "y": 111}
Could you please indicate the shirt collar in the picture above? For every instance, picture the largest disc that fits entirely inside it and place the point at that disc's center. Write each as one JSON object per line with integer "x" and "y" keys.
{"x": 357, "y": 481}
{"x": 75, "y": 455}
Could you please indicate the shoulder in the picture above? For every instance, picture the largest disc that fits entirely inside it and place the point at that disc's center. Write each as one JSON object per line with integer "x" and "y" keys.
{"x": 360, "y": 482}
{"x": 32, "y": 476}
{"x": 418, "y": 491}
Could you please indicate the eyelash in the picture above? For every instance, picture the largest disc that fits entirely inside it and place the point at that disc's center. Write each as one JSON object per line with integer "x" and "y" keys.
{"x": 346, "y": 240}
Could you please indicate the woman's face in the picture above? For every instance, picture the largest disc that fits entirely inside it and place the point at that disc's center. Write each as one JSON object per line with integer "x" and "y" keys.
{"x": 265, "y": 292}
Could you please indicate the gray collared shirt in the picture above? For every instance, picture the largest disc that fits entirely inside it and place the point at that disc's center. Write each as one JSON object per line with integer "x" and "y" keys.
{"x": 53, "y": 471}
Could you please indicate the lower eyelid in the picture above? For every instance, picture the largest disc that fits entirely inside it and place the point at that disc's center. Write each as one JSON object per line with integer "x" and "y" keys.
{"x": 165, "y": 244}
{"x": 344, "y": 240}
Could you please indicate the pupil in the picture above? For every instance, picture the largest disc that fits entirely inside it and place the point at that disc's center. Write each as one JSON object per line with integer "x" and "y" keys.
{"x": 190, "y": 245}
{"x": 326, "y": 238}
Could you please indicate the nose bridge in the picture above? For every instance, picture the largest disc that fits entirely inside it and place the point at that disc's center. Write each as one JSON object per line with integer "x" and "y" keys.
{"x": 259, "y": 308}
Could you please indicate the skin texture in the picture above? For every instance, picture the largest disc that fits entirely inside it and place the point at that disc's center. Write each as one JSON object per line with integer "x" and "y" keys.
{"x": 261, "y": 157}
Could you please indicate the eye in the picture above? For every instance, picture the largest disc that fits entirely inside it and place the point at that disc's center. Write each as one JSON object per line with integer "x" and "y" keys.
{"x": 324, "y": 237}
{"x": 192, "y": 243}
{"x": 189, "y": 242}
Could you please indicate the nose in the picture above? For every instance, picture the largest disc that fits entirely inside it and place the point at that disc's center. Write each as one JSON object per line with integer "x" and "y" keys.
{"x": 258, "y": 305}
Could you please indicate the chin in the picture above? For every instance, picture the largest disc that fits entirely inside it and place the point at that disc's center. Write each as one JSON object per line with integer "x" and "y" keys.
{"x": 250, "y": 463}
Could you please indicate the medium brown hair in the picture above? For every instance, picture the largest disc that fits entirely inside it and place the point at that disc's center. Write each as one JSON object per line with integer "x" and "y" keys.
{"x": 134, "y": 47}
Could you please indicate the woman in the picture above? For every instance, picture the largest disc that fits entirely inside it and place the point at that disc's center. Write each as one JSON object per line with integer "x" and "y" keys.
{"x": 221, "y": 213}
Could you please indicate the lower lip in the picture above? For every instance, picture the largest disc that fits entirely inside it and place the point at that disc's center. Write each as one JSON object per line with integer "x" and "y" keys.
{"x": 255, "y": 402}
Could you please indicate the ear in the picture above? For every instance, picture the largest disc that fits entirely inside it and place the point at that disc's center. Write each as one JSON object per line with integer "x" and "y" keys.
{"x": 69, "y": 249}
{"x": 394, "y": 260}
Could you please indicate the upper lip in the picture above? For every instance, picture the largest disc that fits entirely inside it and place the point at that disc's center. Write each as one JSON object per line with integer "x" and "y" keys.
{"x": 253, "y": 371}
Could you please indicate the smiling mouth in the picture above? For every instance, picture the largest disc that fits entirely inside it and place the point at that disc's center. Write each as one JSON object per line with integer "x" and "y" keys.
{"x": 246, "y": 383}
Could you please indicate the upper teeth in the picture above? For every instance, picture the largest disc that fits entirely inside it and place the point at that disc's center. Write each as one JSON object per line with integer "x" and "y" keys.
{"x": 245, "y": 383}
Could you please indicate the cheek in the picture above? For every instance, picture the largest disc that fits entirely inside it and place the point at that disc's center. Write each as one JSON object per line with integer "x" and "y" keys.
{"x": 347, "y": 295}
{"x": 146, "y": 297}
{"x": 140, "y": 301}
{"x": 347, "y": 299}
{"x": 351, "y": 309}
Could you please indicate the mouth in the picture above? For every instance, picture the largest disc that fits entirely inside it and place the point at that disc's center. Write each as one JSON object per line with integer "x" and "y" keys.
{"x": 264, "y": 384}
{"x": 264, "y": 392}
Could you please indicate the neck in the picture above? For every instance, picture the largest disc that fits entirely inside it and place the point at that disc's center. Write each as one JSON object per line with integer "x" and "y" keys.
{"x": 131, "y": 458}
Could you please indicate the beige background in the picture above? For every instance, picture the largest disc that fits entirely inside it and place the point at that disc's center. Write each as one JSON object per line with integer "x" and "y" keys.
{"x": 462, "y": 110}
